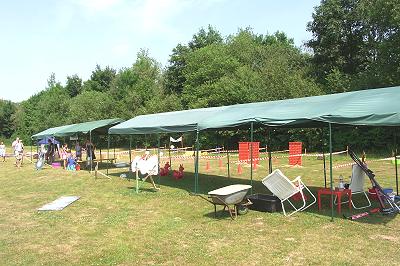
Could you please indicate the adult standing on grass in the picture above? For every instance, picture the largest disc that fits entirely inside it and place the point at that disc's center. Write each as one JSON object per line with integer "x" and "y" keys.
{"x": 90, "y": 156}
{"x": 51, "y": 151}
{"x": 14, "y": 143}
{"x": 78, "y": 151}
{"x": 18, "y": 150}
{"x": 21, "y": 151}
{"x": 3, "y": 151}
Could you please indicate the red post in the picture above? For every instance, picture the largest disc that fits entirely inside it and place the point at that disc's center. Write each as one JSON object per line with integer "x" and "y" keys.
{"x": 239, "y": 170}
{"x": 207, "y": 166}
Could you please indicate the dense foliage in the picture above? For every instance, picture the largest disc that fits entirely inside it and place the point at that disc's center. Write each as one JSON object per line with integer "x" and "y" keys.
{"x": 353, "y": 47}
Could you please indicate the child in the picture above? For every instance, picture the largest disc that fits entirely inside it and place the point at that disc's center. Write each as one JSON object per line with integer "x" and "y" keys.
{"x": 3, "y": 151}
{"x": 64, "y": 154}
{"x": 71, "y": 163}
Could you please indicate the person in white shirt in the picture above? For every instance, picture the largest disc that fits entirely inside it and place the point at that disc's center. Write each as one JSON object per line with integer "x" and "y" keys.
{"x": 3, "y": 151}
{"x": 18, "y": 152}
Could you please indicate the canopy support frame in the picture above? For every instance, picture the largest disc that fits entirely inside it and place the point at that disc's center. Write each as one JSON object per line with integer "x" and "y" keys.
{"x": 251, "y": 155}
{"x": 196, "y": 164}
{"x": 330, "y": 168}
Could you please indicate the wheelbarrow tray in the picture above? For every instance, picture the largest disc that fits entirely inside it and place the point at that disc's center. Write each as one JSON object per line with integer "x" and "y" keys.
{"x": 229, "y": 195}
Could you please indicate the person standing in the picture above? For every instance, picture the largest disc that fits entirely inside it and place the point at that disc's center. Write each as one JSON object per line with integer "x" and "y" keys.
{"x": 21, "y": 151}
{"x": 18, "y": 152}
{"x": 78, "y": 151}
{"x": 14, "y": 143}
{"x": 3, "y": 151}
{"x": 90, "y": 156}
{"x": 64, "y": 154}
{"x": 51, "y": 152}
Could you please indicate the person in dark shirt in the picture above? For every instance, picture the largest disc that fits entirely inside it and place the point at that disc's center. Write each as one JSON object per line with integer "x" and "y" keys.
{"x": 90, "y": 156}
{"x": 78, "y": 151}
{"x": 51, "y": 150}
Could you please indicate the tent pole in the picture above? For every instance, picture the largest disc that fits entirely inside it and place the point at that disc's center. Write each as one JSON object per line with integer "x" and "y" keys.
{"x": 395, "y": 163}
{"x": 169, "y": 153}
{"x": 251, "y": 156}
{"x": 115, "y": 158}
{"x": 37, "y": 151}
{"x": 108, "y": 151}
{"x": 158, "y": 158}
{"x": 323, "y": 155}
{"x": 91, "y": 150}
{"x": 330, "y": 168}
{"x": 130, "y": 151}
{"x": 227, "y": 156}
{"x": 31, "y": 151}
{"x": 196, "y": 164}
{"x": 269, "y": 152}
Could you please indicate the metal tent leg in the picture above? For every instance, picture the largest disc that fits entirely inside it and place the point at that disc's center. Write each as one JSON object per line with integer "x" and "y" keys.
{"x": 330, "y": 167}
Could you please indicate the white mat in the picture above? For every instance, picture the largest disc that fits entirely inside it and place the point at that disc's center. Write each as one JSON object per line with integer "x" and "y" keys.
{"x": 59, "y": 203}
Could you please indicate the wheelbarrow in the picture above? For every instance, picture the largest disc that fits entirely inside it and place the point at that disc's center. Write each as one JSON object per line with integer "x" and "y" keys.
{"x": 231, "y": 197}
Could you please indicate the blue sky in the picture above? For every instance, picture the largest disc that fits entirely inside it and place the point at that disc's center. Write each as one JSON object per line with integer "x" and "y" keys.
{"x": 72, "y": 36}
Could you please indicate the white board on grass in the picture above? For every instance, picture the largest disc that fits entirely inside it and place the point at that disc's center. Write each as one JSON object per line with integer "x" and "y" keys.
{"x": 59, "y": 203}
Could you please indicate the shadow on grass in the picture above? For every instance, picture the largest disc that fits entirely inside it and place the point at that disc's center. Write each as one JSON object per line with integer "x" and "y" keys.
{"x": 219, "y": 215}
{"x": 208, "y": 182}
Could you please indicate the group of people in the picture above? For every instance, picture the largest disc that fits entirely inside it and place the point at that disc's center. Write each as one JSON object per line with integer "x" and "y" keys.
{"x": 52, "y": 152}
{"x": 18, "y": 151}
{"x": 67, "y": 156}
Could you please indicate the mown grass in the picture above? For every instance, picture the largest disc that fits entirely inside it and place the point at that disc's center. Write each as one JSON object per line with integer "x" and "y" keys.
{"x": 112, "y": 225}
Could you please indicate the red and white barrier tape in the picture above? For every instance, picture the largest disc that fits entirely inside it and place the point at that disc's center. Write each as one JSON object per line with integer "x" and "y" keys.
{"x": 353, "y": 163}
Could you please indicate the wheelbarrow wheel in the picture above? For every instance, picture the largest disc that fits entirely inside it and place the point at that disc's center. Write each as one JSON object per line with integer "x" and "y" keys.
{"x": 242, "y": 209}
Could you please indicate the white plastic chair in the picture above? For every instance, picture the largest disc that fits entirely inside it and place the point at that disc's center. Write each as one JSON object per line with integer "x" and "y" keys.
{"x": 148, "y": 167}
{"x": 357, "y": 186}
{"x": 284, "y": 189}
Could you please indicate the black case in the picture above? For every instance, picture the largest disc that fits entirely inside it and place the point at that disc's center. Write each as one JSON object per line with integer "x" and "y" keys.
{"x": 264, "y": 203}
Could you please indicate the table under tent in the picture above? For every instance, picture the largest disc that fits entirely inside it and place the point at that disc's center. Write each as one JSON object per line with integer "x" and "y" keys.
{"x": 373, "y": 107}
{"x": 98, "y": 127}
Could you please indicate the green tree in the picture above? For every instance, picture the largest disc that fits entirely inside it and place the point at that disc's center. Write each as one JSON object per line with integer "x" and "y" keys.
{"x": 174, "y": 77}
{"x": 7, "y": 116}
{"x": 101, "y": 79}
{"x": 140, "y": 88}
{"x": 73, "y": 85}
{"x": 352, "y": 37}
{"x": 92, "y": 105}
{"x": 246, "y": 68}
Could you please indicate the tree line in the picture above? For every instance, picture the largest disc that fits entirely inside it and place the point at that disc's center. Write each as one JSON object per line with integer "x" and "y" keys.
{"x": 353, "y": 47}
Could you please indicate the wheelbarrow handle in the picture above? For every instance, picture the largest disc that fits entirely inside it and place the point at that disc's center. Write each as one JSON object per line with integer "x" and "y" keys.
{"x": 201, "y": 196}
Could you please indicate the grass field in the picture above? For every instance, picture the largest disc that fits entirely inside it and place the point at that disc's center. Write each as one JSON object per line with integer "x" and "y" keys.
{"x": 112, "y": 225}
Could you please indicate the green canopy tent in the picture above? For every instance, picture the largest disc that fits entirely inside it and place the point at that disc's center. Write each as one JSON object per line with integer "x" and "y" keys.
{"x": 98, "y": 126}
{"x": 50, "y": 132}
{"x": 374, "y": 107}
{"x": 169, "y": 122}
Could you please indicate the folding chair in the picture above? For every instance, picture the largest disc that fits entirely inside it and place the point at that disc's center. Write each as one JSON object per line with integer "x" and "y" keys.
{"x": 284, "y": 189}
{"x": 357, "y": 186}
{"x": 148, "y": 166}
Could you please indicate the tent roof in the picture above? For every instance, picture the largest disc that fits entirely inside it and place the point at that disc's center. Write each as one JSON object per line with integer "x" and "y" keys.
{"x": 99, "y": 126}
{"x": 373, "y": 107}
{"x": 178, "y": 121}
{"x": 48, "y": 132}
